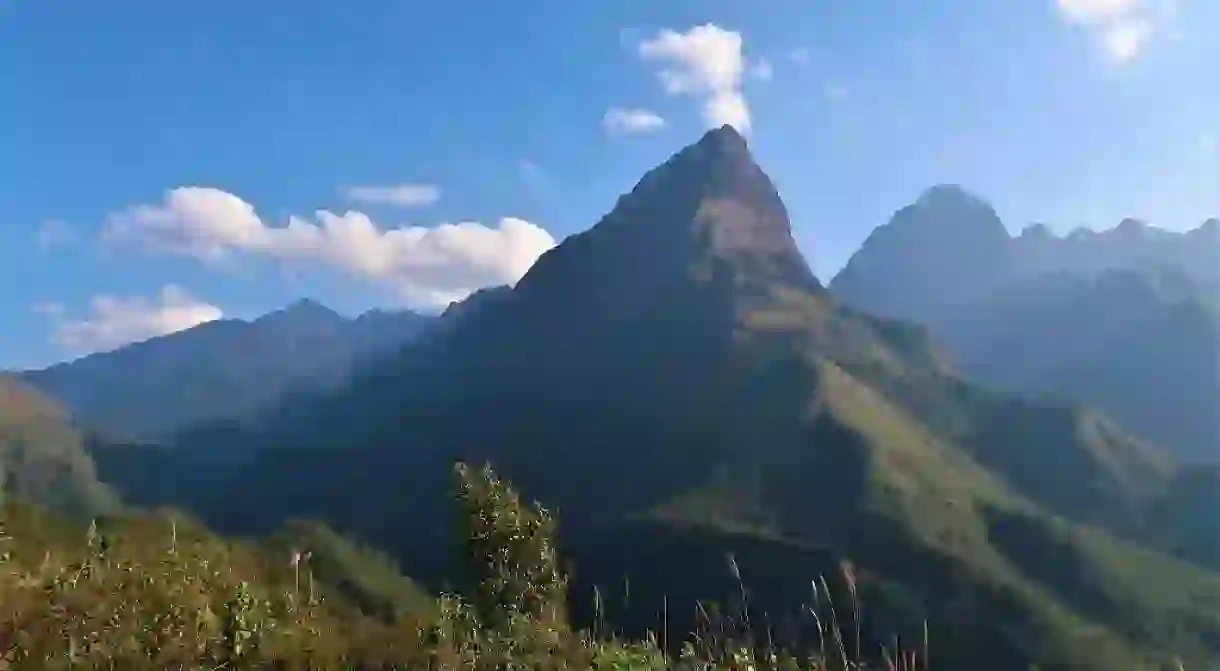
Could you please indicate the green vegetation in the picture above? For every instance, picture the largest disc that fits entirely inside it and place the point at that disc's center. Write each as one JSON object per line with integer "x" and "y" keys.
{"x": 161, "y": 592}
{"x": 43, "y": 458}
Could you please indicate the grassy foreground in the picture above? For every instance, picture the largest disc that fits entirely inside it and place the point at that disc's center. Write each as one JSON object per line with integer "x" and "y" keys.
{"x": 162, "y": 593}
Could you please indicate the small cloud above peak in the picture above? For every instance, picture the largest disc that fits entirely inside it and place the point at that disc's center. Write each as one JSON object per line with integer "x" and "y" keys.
{"x": 401, "y": 195}
{"x": 1123, "y": 28}
{"x": 705, "y": 62}
{"x": 624, "y": 121}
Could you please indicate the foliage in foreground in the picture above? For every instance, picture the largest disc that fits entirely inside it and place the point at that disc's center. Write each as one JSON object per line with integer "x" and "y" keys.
{"x": 160, "y": 592}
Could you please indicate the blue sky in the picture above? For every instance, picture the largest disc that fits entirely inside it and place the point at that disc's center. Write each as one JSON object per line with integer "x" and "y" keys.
{"x": 357, "y": 118}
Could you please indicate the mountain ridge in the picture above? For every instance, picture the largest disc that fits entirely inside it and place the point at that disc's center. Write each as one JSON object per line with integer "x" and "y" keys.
{"x": 1124, "y": 320}
{"x": 225, "y": 370}
{"x": 678, "y": 366}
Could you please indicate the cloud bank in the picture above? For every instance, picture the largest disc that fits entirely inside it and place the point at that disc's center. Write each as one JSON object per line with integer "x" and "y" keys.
{"x": 426, "y": 266}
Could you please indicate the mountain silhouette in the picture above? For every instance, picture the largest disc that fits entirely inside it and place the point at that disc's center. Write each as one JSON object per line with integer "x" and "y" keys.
{"x": 1124, "y": 320}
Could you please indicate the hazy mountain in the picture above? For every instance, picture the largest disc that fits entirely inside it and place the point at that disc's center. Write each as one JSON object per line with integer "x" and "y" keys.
{"x": 222, "y": 370}
{"x": 1125, "y": 320}
{"x": 1139, "y": 345}
{"x": 43, "y": 458}
{"x": 678, "y": 384}
{"x": 950, "y": 250}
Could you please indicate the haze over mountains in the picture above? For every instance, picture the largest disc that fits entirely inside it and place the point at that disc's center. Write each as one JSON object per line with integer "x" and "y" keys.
{"x": 1124, "y": 320}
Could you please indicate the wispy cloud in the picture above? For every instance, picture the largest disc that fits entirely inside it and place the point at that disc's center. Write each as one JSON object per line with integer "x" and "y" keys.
{"x": 800, "y": 56}
{"x": 114, "y": 321}
{"x": 426, "y": 266}
{"x": 623, "y": 121}
{"x": 402, "y": 195}
{"x": 1123, "y": 28}
{"x": 705, "y": 62}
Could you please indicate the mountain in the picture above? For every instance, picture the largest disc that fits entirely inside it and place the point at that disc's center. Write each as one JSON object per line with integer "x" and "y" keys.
{"x": 222, "y": 370}
{"x": 43, "y": 459}
{"x": 677, "y": 383}
{"x": 1125, "y": 320}
{"x": 1124, "y": 342}
{"x": 949, "y": 250}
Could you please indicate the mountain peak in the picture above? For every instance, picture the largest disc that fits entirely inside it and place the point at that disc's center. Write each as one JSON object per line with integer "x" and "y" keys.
{"x": 1131, "y": 226}
{"x": 725, "y": 203}
{"x": 708, "y": 209}
{"x": 1037, "y": 231}
{"x": 305, "y": 311}
{"x": 946, "y": 196}
{"x": 308, "y": 306}
{"x": 724, "y": 139}
{"x": 946, "y": 248}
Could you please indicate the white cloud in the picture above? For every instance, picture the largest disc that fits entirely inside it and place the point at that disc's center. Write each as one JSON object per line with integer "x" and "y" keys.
{"x": 705, "y": 62}
{"x": 53, "y": 233}
{"x": 1125, "y": 39}
{"x": 800, "y": 56}
{"x": 1123, "y": 28}
{"x": 402, "y": 195}
{"x": 117, "y": 321}
{"x": 622, "y": 121}
{"x": 426, "y": 266}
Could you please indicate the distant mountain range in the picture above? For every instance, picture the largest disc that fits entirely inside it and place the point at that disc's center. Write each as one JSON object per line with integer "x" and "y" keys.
{"x": 1125, "y": 320}
{"x": 228, "y": 370}
{"x": 677, "y": 383}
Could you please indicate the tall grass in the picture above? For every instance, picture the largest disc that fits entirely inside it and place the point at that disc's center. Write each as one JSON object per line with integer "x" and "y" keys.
{"x": 139, "y": 602}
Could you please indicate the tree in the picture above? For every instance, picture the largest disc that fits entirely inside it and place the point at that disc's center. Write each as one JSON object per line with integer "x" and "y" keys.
{"x": 511, "y": 553}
